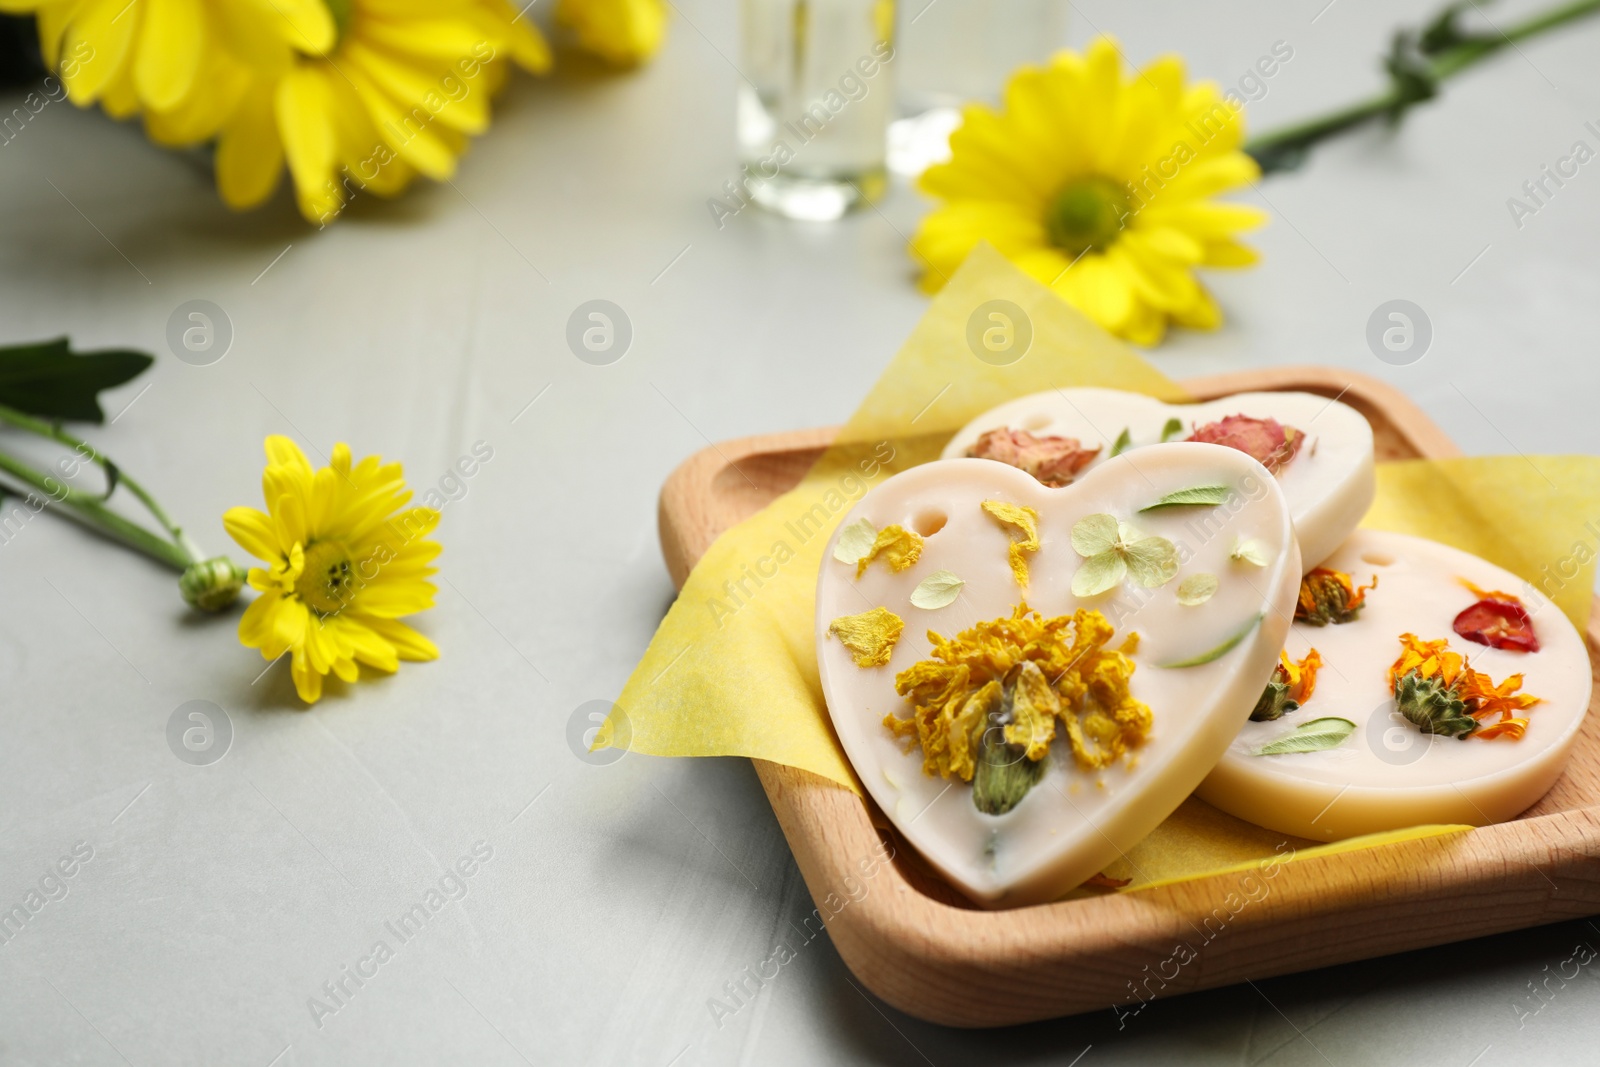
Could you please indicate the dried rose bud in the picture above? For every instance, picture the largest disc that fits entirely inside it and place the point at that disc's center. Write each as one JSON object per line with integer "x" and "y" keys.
{"x": 1267, "y": 441}
{"x": 1054, "y": 461}
{"x": 1499, "y": 624}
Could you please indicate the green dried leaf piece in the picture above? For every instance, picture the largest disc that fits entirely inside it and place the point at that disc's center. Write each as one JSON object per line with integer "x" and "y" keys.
{"x": 1152, "y": 561}
{"x": 1123, "y": 442}
{"x": 1221, "y": 650}
{"x": 937, "y": 590}
{"x": 1249, "y": 550}
{"x": 1197, "y": 589}
{"x": 1432, "y": 707}
{"x": 1194, "y": 496}
{"x": 1172, "y": 429}
{"x": 1314, "y": 736}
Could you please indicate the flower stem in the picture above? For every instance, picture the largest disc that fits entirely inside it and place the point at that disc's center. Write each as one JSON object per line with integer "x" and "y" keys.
{"x": 176, "y": 550}
{"x": 1282, "y": 149}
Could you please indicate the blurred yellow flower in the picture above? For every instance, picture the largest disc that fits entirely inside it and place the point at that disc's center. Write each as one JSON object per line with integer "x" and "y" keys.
{"x": 623, "y": 32}
{"x": 344, "y": 563}
{"x": 351, "y": 95}
{"x": 1099, "y": 186}
{"x": 399, "y": 93}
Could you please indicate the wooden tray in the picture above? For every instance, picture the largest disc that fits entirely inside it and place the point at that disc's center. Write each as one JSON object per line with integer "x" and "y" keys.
{"x": 917, "y": 944}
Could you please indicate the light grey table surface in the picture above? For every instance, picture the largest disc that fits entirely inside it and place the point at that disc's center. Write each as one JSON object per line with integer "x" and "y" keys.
{"x": 620, "y": 899}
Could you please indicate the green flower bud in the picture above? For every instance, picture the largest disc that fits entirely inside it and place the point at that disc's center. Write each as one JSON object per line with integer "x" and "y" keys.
{"x": 212, "y": 584}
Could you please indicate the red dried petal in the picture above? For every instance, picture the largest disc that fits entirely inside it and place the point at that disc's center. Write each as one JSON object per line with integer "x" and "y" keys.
{"x": 1267, "y": 441}
{"x": 1498, "y": 624}
{"x": 1054, "y": 461}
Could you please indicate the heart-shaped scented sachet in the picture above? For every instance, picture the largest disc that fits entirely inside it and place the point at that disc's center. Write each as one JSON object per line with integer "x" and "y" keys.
{"x": 1420, "y": 684}
{"x": 1320, "y": 450}
{"x": 1029, "y": 679}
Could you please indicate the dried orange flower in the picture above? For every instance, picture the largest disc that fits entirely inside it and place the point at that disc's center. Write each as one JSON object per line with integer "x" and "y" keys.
{"x": 1439, "y": 692}
{"x": 1291, "y": 685}
{"x": 991, "y": 675}
{"x": 1327, "y": 595}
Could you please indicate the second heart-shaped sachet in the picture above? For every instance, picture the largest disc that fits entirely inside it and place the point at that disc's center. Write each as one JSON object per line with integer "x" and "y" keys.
{"x": 1028, "y": 680}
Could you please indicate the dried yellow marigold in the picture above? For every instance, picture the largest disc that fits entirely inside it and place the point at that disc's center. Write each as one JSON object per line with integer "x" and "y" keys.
{"x": 870, "y": 636}
{"x": 1025, "y": 519}
{"x": 1330, "y": 596}
{"x": 1022, "y": 673}
{"x": 898, "y": 546}
{"x": 1439, "y": 692}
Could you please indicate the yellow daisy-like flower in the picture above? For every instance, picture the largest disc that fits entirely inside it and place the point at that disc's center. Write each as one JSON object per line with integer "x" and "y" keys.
{"x": 1098, "y": 185}
{"x": 160, "y": 55}
{"x": 402, "y": 88}
{"x": 345, "y": 561}
{"x": 624, "y": 32}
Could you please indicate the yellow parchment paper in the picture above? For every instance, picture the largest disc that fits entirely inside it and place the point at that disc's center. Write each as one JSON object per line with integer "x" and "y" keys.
{"x": 732, "y": 669}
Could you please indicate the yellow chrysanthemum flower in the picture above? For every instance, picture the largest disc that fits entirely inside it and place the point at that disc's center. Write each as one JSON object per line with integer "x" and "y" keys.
{"x": 400, "y": 91}
{"x": 623, "y": 32}
{"x": 1098, "y": 185}
{"x": 161, "y": 55}
{"x": 344, "y": 564}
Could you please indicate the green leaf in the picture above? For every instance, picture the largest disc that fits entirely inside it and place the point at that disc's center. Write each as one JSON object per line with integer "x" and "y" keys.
{"x": 51, "y": 381}
{"x": 1172, "y": 429}
{"x": 1194, "y": 496}
{"x": 1197, "y": 589}
{"x": 1313, "y": 736}
{"x": 1123, "y": 442}
{"x": 1221, "y": 650}
{"x": 1094, "y": 534}
{"x": 1249, "y": 550}
{"x": 1152, "y": 561}
{"x": 855, "y": 541}
{"x": 937, "y": 590}
{"x": 1099, "y": 573}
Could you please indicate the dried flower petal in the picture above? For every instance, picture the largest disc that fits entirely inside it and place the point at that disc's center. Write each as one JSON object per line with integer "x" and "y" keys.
{"x": 1267, "y": 441}
{"x": 899, "y": 547}
{"x": 1098, "y": 574}
{"x": 1025, "y": 519}
{"x": 870, "y": 636}
{"x": 1249, "y": 550}
{"x": 1197, "y": 589}
{"x": 937, "y": 590}
{"x": 855, "y": 541}
{"x": 1152, "y": 561}
{"x": 1094, "y": 534}
{"x": 1499, "y": 621}
{"x": 1054, "y": 461}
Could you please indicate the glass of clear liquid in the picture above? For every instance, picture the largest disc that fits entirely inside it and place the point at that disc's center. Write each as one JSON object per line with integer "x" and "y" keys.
{"x": 814, "y": 114}
{"x": 956, "y": 52}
